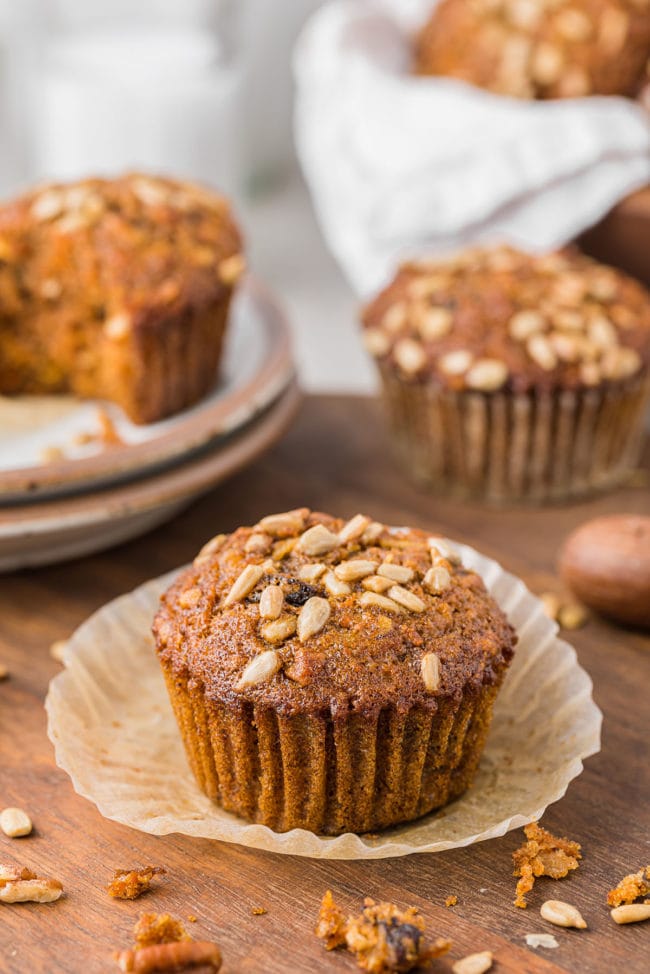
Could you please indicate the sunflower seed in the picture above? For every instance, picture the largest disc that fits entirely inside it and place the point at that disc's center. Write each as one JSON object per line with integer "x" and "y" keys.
{"x": 14, "y": 822}
{"x": 117, "y": 327}
{"x": 372, "y": 533}
{"x": 397, "y": 573}
{"x": 335, "y": 586}
{"x": 311, "y": 572}
{"x": 474, "y": 963}
{"x": 486, "y": 375}
{"x": 313, "y": 616}
{"x": 631, "y": 913}
{"x": 455, "y": 363}
{"x": 258, "y": 543}
{"x": 283, "y": 525}
{"x": 409, "y": 355}
{"x": 376, "y": 342}
{"x": 562, "y": 914}
{"x": 245, "y": 583}
{"x": 437, "y": 579}
{"x": 354, "y": 528}
{"x": 430, "y": 670}
{"x": 353, "y": 570}
{"x": 231, "y": 269}
{"x": 441, "y": 548}
{"x": 260, "y": 669}
{"x": 541, "y": 351}
{"x": 408, "y": 599}
{"x": 373, "y": 598}
{"x": 278, "y": 630}
{"x": 434, "y": 323}
{"x": 395, "y": 317}
{"x": 317, "y": 540}
{"x": 271, "y": 601}
{"x": 523, "y": 324}
{"x": 209, "y": 548}
{"x": 376, "y": 583}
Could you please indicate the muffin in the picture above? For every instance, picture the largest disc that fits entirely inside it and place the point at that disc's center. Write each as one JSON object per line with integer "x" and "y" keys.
{"x": 116, "y": 289}
{"x": 331, "y": 676}
{"x": 536, "y": 49}
{"x": 511, "y": 377}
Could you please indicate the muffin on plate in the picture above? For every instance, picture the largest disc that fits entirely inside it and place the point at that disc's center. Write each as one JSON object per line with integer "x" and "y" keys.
{"x": 537, "y": 49}
{"x": 328, "y": 675}
{"x": 116, "y": 289}
{"x": 511, "y": 377}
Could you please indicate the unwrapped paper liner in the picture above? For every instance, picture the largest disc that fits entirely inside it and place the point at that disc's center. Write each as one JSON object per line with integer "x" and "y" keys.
{"x": 400, "y": 165}
{"x": 114, "y": 733}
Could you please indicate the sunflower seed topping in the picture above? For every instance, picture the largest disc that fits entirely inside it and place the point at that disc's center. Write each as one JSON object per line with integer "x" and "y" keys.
{"x": 271, "y": 602}
{"x": 244, "y": 584}
{"x": 209, "y": 548}
{"x": 409, "y": 600}
{"x": 353, "y": 570}
{"x": 373, "y": 598}
{"x": 278, "y": 630}
{"x": 283, "y": 525}
{"x": 311, "y": 572}
{"x": 335, "y": 586}
{"x": 437, "y": 579}
{"x": 376, "y": 583}
{"x": 397, "y": 573}
{"x": 317, "y": 540}
{"x": 430, "y": 670}
{"x": 260, "y": 669}
{"x": 313, "y": 616}
{"x": 354, "y": 528}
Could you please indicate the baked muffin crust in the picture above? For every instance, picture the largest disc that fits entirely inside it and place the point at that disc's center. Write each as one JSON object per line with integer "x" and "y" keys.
{"x": 539, "y": 48}
{"x": 495, "y": 318}
{"x": 306, "y": 614}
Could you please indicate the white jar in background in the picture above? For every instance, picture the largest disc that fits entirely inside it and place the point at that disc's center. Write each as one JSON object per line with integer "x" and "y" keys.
{"x": 140, "y": 89}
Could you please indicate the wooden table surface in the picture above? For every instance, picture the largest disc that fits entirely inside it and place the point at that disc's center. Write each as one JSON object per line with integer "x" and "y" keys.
{"x": 336, "y": 458}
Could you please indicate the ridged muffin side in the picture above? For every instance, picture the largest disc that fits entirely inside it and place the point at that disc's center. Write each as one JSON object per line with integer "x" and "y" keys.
{"x": 358, "y": 698}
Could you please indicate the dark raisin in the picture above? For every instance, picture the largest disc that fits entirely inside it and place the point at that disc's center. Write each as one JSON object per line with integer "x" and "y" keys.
{"x": 299, "y": 592}
{"x": 404, "y": 940}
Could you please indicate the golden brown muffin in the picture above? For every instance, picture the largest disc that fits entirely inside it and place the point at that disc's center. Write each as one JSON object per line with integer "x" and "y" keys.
{"x": 509, "y": 376}
{"x": 331, "y": 676}
{"x": 539, "y": 48}
{"x": 117, "y": 289}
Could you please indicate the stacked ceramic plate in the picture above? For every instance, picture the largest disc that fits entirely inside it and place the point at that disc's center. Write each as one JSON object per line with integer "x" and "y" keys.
{"x": 77, "y": 476}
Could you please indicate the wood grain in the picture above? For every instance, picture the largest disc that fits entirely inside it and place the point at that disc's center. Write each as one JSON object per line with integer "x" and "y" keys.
{"x": 336, "y": 458}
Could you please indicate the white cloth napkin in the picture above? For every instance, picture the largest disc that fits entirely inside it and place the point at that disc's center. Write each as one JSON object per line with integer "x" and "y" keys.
{"x": 399, "y": 165}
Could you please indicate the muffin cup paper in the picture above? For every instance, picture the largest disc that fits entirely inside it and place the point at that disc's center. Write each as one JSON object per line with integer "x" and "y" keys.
{"x": 113, "y": 731}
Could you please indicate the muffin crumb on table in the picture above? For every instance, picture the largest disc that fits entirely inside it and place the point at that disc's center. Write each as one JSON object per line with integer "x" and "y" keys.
{"x": 542, "y": 855}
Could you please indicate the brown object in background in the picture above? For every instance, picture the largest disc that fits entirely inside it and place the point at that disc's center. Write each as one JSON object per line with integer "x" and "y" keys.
{"x": 512, "y": 377}
{"x": 606, "y": 562}
{"x": 331, "y": 676}
{"x": 622, "y": 237}
{"x": 116, "y": 289}
{"x": 530, "y": 50}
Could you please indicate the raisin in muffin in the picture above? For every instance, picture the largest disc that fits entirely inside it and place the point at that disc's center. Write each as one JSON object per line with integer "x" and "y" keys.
{"x": 117, "y": 289}
{"x": 511, "y": 377}
{"x": 331, "y": 676}
{"x": 538, "y": 48}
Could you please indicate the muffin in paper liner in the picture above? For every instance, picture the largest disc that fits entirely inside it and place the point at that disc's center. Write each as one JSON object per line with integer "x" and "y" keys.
{"x": 503, "y": 447}
{"x": 115, "y": 734}
{"x": 513, "y": 378}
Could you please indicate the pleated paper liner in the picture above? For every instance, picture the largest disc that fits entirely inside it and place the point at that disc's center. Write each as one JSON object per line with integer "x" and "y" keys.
{"x": 504, "y": 447}
{"x": 114, "y": 733}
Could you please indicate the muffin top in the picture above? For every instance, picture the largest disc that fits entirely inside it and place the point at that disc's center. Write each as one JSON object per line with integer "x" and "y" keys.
{"x": 116, "y": 250}
{"x": 305, "y": 613}
{"x": 539, "y": 48}
{"x": 494, "y": 319}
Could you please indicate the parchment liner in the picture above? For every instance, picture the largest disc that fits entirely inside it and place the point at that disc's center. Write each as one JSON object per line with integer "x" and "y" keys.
{"x": 114, "y": 733}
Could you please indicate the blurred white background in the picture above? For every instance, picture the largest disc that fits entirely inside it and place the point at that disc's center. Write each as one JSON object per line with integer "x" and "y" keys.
{"x": 200, "y": 89}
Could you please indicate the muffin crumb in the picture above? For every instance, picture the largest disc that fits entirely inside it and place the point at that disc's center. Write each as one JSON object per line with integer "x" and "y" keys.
{"x": 451, "y": 901}
{"x": 632, "y": 887}
{"x": 128, "y": 884}
{"x": 542, "y": 855}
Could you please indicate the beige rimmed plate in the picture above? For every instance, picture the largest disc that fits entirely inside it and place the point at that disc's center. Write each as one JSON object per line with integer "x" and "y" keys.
{"x": 68, "y": 527}
{"x": 114, "y": 733}
{"x": 257, "y": 366}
